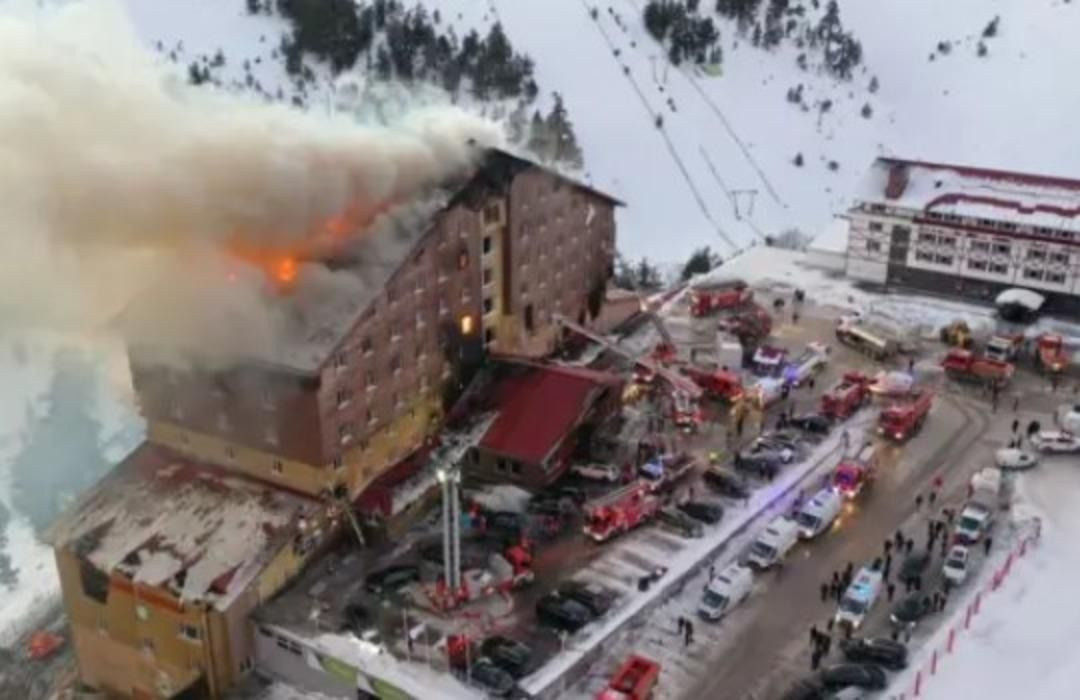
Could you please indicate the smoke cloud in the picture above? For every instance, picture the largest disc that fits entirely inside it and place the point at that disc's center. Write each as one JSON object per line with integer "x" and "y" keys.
{"x": 117, "y": 177}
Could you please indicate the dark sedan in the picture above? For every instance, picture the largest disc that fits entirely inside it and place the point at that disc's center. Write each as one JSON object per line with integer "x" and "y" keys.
{"x": 811, "y": 423}
{"x": 842, "y": 676}
{"x": 510, "y": 655}
{"x": 910, "y": 610}
{"x": 914, "y": 565}
{"x": 706, "y": 512}
{"x": 596, "y": 599}
{"x": 391, "y": 578}
{"x": 494, "y": 681}
{"x": 562, "y": 613}
{"x": 726, "y": 482}
{"x": 763, "y": 464}
{"x": 878, "y": 650}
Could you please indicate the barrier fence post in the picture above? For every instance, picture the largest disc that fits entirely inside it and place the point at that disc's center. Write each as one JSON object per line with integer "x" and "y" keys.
{"x": 933, "y": 663}
{"x": 967, "y": 618}
{"x": 978, "y": 601}
{"x": 952, "y": 640}
{"x": 918, "y": 684}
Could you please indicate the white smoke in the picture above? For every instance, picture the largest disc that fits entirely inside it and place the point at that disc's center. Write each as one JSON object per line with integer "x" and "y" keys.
{"x": 116, "y": 176}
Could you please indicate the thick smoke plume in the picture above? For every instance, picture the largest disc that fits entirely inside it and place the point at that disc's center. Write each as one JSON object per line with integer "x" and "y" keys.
{"x": 117, "y": 176}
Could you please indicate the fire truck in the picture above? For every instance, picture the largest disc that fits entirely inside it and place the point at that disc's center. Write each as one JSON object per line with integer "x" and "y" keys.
{"x": 505, "y": 571}
{"x": 750, "y": 325}
{"x": 1004, "y": 347}
{"x": 619, "y": 511}
{"x": 706, "y": 299}
{"x": 848, "y": 396}
{"x": 905, "y": 416}
{"x": 720, "y": 384}
{"x": 965, "y": 366}
{"x": 769, "y": 361}
{"x": 853, "y": 474}
{"x": 634, "y": 680}
{"x": 1051, "y": 356}
{"x": 875, "y": 342}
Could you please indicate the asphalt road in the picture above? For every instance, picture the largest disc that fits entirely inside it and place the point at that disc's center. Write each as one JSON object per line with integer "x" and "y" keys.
{"x": 761, "y": 663}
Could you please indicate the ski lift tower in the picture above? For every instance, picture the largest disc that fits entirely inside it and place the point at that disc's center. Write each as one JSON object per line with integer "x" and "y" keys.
{"x": 447, "y": 463}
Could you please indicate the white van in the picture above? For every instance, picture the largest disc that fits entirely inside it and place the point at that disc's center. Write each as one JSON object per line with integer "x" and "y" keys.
{"x": 773, "y": 544}
{"x": 729, "y": 588}
{"x": 818, "y": 514}
{"x": 859, "y": 598}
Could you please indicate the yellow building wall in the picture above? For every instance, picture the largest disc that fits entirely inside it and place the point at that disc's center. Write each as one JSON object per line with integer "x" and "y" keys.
{"x": 394, "y": 442}
{"x": 298, "y": 476}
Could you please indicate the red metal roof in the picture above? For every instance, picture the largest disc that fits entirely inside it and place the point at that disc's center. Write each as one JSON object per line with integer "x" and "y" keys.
{"x": 539, "y": 406}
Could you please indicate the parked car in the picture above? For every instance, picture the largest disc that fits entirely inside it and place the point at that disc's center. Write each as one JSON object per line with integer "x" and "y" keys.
{"x": 561, "y": 613}
{"x": 596, "y": 599}
{"x": 510, "y": 655}
{"x": 910, "y": 610}
{"x": 784, "y": 455}
{"x": 763, "y": 464}
{"x": 805, "y": 689}
{"x": 679, "y": 522}
{"x": 494, "y": 681}
{"x": 955, "y": 568}
{"x": 811, "y": 423}
{"x": 1013, "y": 459}
{"x": 780, "y": 439}
{"x": 726, "y": 482}
{"x": 705, "y": 511}
{"x": 914, "y": 565}
{"x": 878, "y": 650}
{"x": 391, "y": 578}
{"x": 859, "y": 675}
{"x": 1057, "y": 441}
{"x": 596, "y": 471}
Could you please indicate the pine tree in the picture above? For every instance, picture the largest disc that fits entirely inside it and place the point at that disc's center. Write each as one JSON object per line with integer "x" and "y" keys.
{"x": 539, "y": 137}
{"x": 701, "y": 260}
{"x": 561, "y": 132}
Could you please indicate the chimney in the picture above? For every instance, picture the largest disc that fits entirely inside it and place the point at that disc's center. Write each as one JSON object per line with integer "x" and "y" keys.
{"x": 898, "y": 181}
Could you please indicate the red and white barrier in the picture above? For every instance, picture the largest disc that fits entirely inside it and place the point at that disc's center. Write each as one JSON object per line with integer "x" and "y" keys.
{"x": 931, "y": 665}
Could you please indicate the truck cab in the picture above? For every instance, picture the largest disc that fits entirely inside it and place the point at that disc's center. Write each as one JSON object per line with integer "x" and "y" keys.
{"x": 819, "y": 513}
{"x": 729, "y": 588}
{"x": 773, "y": 544}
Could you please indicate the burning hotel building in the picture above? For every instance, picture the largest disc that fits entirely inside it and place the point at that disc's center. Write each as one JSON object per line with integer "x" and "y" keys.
{"x": 246, "y": 465}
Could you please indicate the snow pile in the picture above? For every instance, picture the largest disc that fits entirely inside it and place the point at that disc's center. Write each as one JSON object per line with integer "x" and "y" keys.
{"x": 1030, "y": 300}
{"x": 506, "y": 497}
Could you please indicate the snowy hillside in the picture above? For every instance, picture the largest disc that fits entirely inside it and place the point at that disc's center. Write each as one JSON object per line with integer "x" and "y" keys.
{"x": 991, "y": 110}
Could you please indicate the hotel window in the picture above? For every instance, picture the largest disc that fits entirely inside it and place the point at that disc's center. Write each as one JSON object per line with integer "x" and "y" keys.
{"x": 395, "y": 364}
{"x": 1002, "y": 249}
{"x": 489, "y": 276}
{"x": 277, "y": 466}
{"x": 344, "y": 397}
{"x": 341, "y": 360}
{"x": 365, "y": 346}
{"x": 370, "y": 380}
{"x": 979, "y": 265}
{"x": 947, "y": 241}
{"x": 923, "y": 256}
{"x": 873, "y": 246}
{"x": 489, "y": 305}
{"x": 190, "y": 632}
{"x": 1055, "y": 277}
{"x": 999, "y": 269}
{"x": 1036, "y": 254}
{"x": 1031, "y": 273}
{"x": 142, "y": 612}
{"x": 979, "y": 247}
{"x": 943, "y": 259}
{"x": 489, "y": 336}
{"x": 487, "y": 244}
{"x": 345, "y": 433}
{"x": 875, "y": 226}
{"x": 463, "y": 260}
{"x": 927, "y": 238}
{"x": 1061, "y": 258}
{"x": 491, "y": 213}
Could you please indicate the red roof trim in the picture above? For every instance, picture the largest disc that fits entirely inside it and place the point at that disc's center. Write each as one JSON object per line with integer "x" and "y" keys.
{"x": 969, "y": 228}
{"x": 992, "y": 174}
{"x": 1004, "y": 204}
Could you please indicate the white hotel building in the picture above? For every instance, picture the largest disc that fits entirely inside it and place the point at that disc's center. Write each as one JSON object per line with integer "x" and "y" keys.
{"x": 967, "y": 231}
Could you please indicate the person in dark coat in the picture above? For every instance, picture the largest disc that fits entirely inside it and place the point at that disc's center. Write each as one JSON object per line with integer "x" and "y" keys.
{"x": 824, "y": 592}
{"x": 987, "y": 544}
{"x": 890, "y": 591}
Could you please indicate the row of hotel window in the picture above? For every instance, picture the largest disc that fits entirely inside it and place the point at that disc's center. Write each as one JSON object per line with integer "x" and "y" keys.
{"x": 1007, "y": 226}
{"x": 999, "y": 249}
{"x": 996, "y": 268}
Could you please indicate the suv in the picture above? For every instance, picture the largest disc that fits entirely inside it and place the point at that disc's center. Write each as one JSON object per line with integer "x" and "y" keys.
{"x": 763, "y": 464}
{"x": 726, "y": 482}
{"x": 914, "y": 565}
{"x": 706, "y": 512}
{"x": 860, "y": 675}
{"x": 562, "y": 613}
{"x": 508, "y": 654}
{"x": 596, "y": 599}
{"x": 879, "y": 650}
{"x": 679, "y": 522}
{"x": 811, "y": 423}
{"x": 494, "y": 681}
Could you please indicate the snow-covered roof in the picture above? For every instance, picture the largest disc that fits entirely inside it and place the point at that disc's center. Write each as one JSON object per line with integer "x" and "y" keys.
{"x": 980, "y": 193}
{"x": 193, "y": 529}
{"x": 1024, "y": 297}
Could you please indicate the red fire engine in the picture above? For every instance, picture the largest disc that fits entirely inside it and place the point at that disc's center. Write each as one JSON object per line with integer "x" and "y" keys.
{"x": 505, "y": 572}
{"x": 848, "y": 396}
{"x": 853, "y": 474}
{"x": 619, "y": 511}
{"x": 905, "y": 416}
{"x": 720, "y": 384}
{"x": 708, "y": 298}
{"x": 750, "y": 325}
{"x": 634, "y": 680}
{"x": 1051, "y": 356}
{"x": 963, "y": 365}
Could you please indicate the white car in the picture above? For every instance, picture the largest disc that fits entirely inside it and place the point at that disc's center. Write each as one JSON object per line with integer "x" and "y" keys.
{"x": 597, "y": 472}
{"x": 974, "y": 521}
{"x": 1013, "y": 459}
{"x": 1056, "y": 441}
{"x": 955, "y": 568}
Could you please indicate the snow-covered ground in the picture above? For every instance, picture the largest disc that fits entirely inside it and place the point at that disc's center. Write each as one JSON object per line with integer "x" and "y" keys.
{"x": 1023, "y": 641}
{"x": 54, "y": 387}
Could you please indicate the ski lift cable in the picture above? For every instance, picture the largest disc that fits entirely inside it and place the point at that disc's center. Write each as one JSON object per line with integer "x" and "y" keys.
{"x": 719, "y": 115}
{"x": 653, "y": 114}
